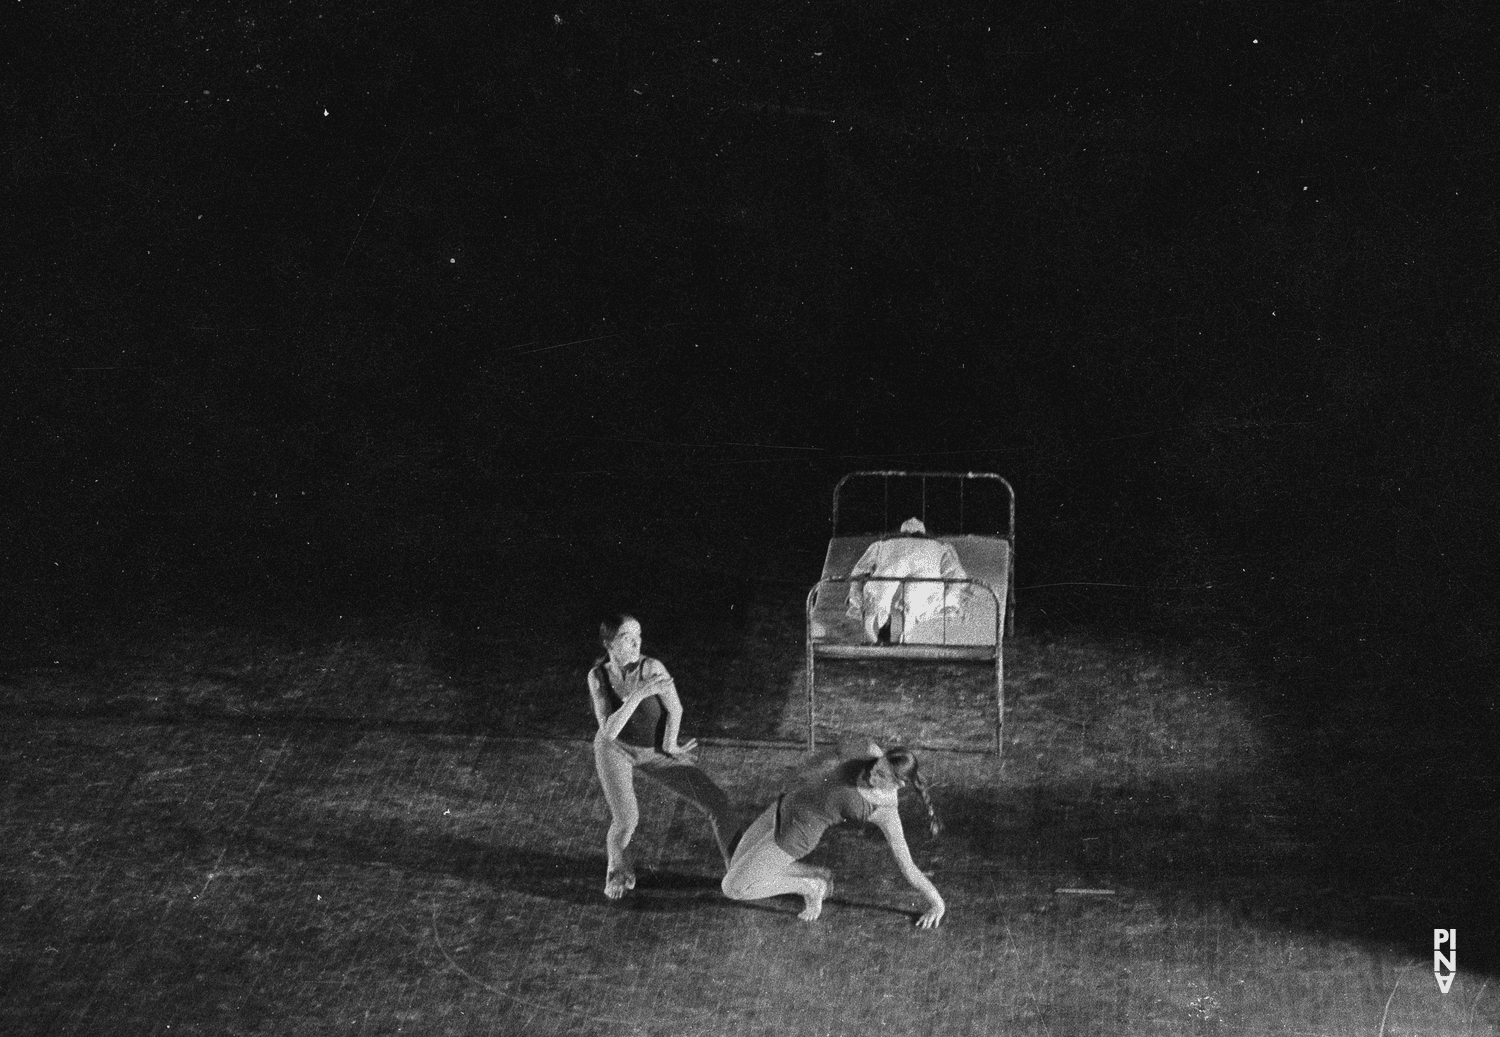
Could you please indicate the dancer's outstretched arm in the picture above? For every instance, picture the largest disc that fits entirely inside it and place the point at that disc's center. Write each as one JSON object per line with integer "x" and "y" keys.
{"x": 888, "y": 819}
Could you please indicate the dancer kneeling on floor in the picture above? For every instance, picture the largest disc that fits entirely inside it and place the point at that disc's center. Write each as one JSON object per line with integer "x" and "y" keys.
{"x": 639, "y": 714}
{"x": 767, "y": 862}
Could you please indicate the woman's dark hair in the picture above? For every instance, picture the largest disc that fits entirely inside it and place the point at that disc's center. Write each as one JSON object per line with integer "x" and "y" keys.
{"x": 610, "y": 628}
{"x": 904, "y": 765}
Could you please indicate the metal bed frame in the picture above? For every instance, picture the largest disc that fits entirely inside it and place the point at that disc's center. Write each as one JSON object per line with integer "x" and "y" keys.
{"x": 988, "y": 648}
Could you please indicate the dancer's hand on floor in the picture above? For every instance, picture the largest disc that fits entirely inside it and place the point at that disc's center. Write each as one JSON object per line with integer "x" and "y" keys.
{"x": 932, "y": 917}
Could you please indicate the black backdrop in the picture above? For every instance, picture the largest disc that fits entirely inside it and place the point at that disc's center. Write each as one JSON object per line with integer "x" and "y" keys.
{"x": 343, "y": 296}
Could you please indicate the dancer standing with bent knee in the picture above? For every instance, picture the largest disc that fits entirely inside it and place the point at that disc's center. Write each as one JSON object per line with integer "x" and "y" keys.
{"x": 640, "y": 716}
{"x": 767, "y": 862}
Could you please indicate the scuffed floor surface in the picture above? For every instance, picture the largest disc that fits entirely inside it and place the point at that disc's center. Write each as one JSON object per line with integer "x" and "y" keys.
{"x": 281, "y": 877}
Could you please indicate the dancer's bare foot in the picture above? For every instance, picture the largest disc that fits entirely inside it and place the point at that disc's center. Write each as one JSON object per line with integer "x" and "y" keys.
{"x": 813, "y": 899}
{"x": 617, "y": 882}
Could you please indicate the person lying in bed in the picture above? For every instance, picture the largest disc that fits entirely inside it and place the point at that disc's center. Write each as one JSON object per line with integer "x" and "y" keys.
{"x": 912, "y": 555}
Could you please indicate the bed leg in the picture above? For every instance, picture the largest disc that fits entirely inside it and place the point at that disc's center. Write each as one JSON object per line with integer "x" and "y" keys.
{"x": 1010, "y": 597}
{"x": 812, "y": 743}
{"x": 999, "y": 701}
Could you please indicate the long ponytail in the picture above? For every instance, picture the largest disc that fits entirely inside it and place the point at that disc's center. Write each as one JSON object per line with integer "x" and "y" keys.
{"x": 904, "y": 764}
